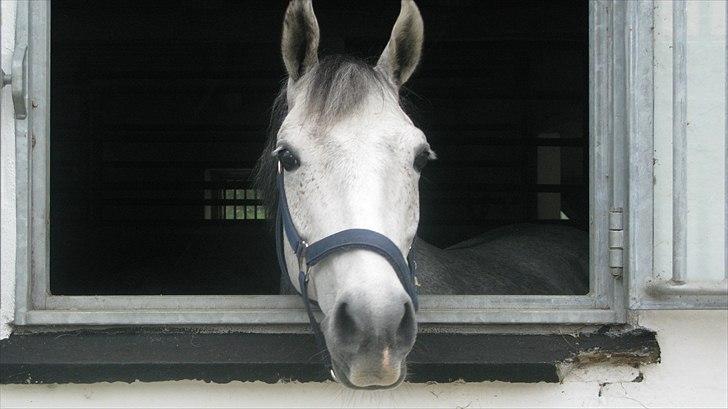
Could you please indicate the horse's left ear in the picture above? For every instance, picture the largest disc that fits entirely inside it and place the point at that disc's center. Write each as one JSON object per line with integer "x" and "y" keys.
{"x": 404, "y": 49}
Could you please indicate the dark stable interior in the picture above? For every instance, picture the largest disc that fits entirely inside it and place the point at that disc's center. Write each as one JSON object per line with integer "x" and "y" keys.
{"x": 160, "y": 109}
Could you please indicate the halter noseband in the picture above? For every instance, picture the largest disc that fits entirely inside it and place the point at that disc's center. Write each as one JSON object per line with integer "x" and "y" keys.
{"x": 310, "y": 254}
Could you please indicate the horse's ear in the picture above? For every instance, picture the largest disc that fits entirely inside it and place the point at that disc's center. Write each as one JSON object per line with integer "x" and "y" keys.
{"x": 299, "y": 43}
{"x": 404, "y": 49}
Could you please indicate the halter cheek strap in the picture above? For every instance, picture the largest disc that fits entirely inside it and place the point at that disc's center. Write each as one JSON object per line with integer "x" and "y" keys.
{"x": 309, "y": 255}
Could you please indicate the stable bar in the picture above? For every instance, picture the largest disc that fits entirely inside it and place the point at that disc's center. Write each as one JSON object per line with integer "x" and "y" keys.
{"x": 679, "y": 142}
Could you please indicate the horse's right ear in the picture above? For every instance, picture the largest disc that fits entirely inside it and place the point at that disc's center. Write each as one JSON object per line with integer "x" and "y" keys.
{"x": 299, "y": 43}
{"x": 404, "y": 49}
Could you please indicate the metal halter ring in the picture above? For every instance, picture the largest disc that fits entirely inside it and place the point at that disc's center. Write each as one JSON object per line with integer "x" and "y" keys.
{"x": 301, "y": 255}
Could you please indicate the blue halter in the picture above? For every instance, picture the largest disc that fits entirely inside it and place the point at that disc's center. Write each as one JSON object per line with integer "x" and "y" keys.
{"x": 309, "y": 254}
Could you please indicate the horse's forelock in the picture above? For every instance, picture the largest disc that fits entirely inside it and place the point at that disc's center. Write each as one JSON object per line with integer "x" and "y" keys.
{"x": 338, "y": 85}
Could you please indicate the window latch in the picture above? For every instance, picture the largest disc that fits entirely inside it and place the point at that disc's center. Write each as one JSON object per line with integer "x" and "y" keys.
{"x": 616, "y": 241}
{"x": 18, "y": 81}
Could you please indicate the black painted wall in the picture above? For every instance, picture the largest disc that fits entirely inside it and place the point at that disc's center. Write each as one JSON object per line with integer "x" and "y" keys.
{"x": 147, "y": 96}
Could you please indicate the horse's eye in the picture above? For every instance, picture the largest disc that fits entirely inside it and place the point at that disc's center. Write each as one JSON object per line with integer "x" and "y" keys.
{"x": 288, "y": 160}
{"x": 421, "y": 160}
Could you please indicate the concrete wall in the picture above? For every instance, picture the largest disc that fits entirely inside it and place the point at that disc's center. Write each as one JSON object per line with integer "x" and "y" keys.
{"x": 694, "y": 367}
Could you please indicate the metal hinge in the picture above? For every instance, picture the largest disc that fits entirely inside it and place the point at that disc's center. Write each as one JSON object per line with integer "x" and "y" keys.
{"x": 18, "y": 81}
{"x": 616, "y": 241}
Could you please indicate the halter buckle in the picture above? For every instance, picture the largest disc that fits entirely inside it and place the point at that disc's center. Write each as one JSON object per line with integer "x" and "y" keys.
{"x": 280, "y": 167}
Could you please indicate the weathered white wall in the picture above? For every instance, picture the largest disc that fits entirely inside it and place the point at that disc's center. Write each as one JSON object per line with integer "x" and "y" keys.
{"x": 7, "y": 175}
{"x": 694, "y": 370}
{"x": 706, "y": 136}
{"x": 693, "y": 373}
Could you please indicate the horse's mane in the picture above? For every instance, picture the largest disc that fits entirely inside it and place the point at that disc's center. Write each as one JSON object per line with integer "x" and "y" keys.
{"x": 264, "y": 173}
{"x": 334, "y": 87}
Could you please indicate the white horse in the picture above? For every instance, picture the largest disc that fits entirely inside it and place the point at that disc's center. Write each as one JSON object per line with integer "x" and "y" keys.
{"x": 352, "y": 159}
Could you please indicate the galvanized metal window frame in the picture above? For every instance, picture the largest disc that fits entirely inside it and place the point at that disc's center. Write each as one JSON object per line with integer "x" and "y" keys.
{"x": 646, "y": 289}
{"x": 620, "y": 53}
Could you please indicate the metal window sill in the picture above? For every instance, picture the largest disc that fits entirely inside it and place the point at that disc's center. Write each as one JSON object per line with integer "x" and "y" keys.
{"x": 163, "y": 354}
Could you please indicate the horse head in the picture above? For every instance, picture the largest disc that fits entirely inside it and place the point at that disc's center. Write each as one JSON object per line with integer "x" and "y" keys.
{"x": 351, "y": 158}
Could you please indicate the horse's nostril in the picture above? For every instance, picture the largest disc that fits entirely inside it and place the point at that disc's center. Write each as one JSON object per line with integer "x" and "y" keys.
{"x": 344, "y": 321}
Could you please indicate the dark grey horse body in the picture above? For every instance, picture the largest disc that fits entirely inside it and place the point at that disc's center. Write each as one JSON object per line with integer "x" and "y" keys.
{"x": 525, "y": 259}
{"x": 519, "y": 259}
